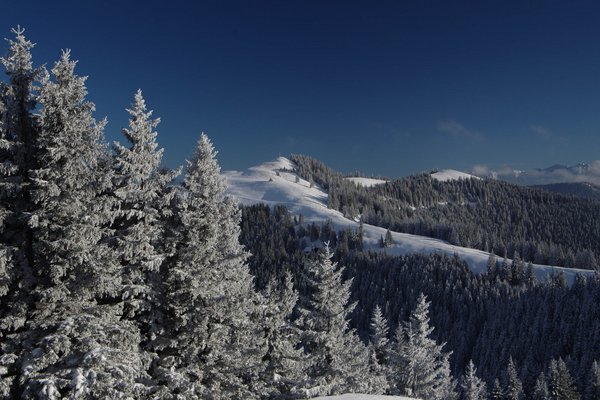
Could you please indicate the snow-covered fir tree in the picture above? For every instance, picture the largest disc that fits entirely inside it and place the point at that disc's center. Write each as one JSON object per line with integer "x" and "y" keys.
{"x": 212, "y": 347}
{"x": 75, "y": 345}
{"x": 379, "y": 349}
{"x": 284, "y": 358}
{"x": 425, "y": 370}
{"x": 540, "y": 390}
{"x": 513, "y": 388}
{"x": 560, "y": 382}
{"x": 140, "y": 208}
{"x": 471, "y": 387}
{"x": 338, "y": 360}
{"x": 593, "y": 382}
{"x": 496, "y": 393}
{"x": 17, "y": 134}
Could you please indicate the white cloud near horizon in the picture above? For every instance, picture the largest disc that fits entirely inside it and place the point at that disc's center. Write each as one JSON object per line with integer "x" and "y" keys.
{"x": 590, "y": 174}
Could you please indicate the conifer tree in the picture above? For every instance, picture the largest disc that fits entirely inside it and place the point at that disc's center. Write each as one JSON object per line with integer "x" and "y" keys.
{"x": 426, "y": 368}
{"x": 593, "y": 384}
{"x": 17, "y": 134}
{"x": 396, "y": 362}
{"x": 540, "y": 391}
{"x": 496, "y": 393}
{"x": 472, "y": 388}
{"x": 338, "y": 359}
{"x": 212, "y": 345}
{"x": 76, "y": 345}
{"x": 513, "y": 389}
{"x": 284, "y": 359}
{"x": 379, "y": 342}
{"x": 141, "y": 205}
{"x": 560, "y": 382}
{"x": 379, "y": 352}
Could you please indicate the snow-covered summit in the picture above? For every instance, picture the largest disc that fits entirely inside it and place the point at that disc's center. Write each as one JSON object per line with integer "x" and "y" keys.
{"x": 366, "y": 182}
{"x": 451, "y": 175}
{"x": 276, "y": 183}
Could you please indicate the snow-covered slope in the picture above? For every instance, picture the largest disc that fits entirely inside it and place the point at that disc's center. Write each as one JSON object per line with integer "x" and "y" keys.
{"x": 356, "y": 396}
{"x": 451, "y": 175}
{"x": 275, "y": 183}
{"x": 367, "y": 182}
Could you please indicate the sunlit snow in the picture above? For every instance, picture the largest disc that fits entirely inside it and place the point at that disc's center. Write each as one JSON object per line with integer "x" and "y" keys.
{"x": 451, "y": 175}
{"x": 275, "y": 183}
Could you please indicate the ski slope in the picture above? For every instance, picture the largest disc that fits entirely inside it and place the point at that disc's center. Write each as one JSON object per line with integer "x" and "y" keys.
{"x": 275, "y": 183}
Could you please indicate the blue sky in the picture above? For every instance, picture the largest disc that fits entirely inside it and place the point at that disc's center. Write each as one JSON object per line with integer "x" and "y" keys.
{"x": 384, "y": 87}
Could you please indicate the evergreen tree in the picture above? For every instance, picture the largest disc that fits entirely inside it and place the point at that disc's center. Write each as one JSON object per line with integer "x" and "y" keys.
{"x": 140, "y": 207}
{"x": 284, "y": 359}
{"x": 338, "y": 361}
{"x": 472, "y": 388}
{"x": 17, "y": 134}
{"x": 560, "y": 382}
{"x": 379, "y": 348}
{"x": 76, "y": 345}
{"x": 540, "y": 391}
{"x": 513, "y": 388}
{"x": 389, "y": 240}
{"x": 593, "y": 384}
{"x": 496, "y": 393}
{"x": 426, "y": 369}
{"x": 211, "y": 347}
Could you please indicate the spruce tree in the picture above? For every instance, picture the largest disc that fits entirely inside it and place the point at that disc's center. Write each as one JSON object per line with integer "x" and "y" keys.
{"x": 560, "y": 382}
{"x": 140, "y": 207}
{"x": 513, "y": 388}
{"x": 496, "y": 393}
{"x": 593, "y": 384}
{"x": 472, "y": 388}
{"x": 17, "y": 133}
{"x": 426, "y": 368}
{"x": 212, "y": 345}
{"x": 338, "y": 359}
{"x": 379, "y": 352}
{"x": 75, "y": 345}
{"x": 284, "y": 359}
{"x": 540, "y": 391}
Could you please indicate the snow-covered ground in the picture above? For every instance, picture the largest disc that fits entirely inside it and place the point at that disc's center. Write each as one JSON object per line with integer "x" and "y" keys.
{"x": 367, "y": 182}
{"x": 275, "y": 183}
{"x": 356, "y": 396}
{"x": 451, "y": 175}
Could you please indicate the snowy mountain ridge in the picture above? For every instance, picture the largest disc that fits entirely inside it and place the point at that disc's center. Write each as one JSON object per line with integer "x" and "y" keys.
{"x": 275, "y": 182}
{"x": 451, "y": 175}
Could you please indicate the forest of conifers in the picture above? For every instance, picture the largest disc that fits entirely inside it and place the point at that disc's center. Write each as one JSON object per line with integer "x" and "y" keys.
{"x": 119, "y": 281}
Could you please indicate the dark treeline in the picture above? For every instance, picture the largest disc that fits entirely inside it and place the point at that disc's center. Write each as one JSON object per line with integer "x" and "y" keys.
{"x": 488, "y": 318}
{"x": 489, "y": 215}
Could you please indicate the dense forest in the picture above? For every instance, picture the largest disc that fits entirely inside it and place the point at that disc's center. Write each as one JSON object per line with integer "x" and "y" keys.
{"x": 500, "y": 317}
{"x": 490, "y": 215}
{"x": 118, "y": 281}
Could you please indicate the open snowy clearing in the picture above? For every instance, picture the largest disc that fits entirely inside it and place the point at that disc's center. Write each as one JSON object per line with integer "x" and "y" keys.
{"x": 451, "y": 175}
{"x": 275, "y": 183}
{"x": 356, "y": 396}
{"x": 366, "y": 182}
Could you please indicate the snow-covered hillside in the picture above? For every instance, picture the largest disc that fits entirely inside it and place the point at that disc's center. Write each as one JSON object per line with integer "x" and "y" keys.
{"x": 367, "y": 182}
{"x": 451, "y": 175}
{"x": 356, "y": 396}
{"x": 275, "y": 183}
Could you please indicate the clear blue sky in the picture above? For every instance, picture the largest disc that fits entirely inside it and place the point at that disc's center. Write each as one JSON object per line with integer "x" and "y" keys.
{"x": 385, "y": 87}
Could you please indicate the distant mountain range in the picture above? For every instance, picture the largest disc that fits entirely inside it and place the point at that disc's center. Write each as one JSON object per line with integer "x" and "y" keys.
{"x": 579, "y": 189}
{"x": 558, "y": 173}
